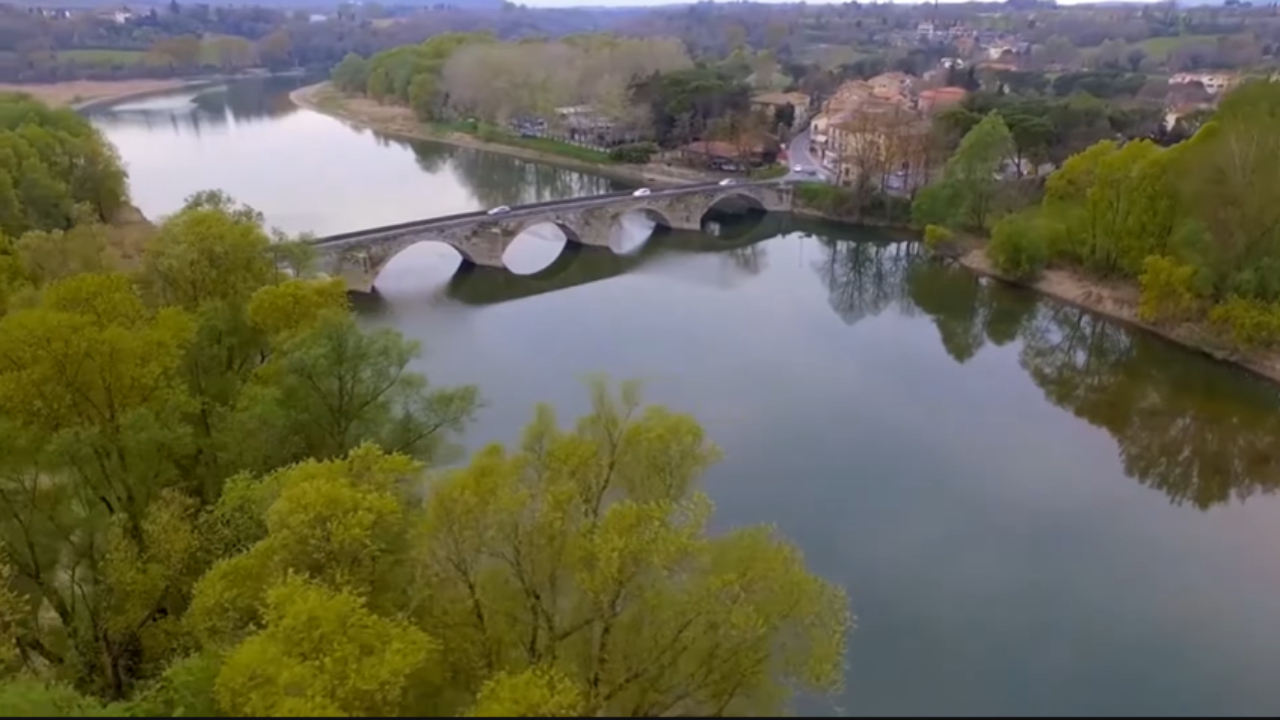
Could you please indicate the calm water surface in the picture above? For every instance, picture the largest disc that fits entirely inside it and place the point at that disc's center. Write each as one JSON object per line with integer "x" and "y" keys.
{"x": 1033, "y": 510}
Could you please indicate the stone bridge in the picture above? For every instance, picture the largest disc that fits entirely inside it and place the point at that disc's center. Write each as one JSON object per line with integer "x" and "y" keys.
{"x": 482, "y": 238}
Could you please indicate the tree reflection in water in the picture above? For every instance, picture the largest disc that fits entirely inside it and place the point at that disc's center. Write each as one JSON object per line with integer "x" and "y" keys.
{"x": 1198, "y": 431}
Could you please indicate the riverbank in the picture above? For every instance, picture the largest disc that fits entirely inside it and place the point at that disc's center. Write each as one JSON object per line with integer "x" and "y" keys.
{"x": 80, "y": 94}
{"x": 400, "y": 122}
{"x": 1118, "y": 300}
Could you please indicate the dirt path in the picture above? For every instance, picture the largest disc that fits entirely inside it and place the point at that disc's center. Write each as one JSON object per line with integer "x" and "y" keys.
{"x": 400, "y": 122}
{"x": 1119, "y": 301}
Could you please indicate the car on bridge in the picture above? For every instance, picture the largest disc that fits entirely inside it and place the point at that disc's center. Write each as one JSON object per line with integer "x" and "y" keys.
{"x": 641, "y": 192}
{"x": 728, "y": 181}
{"x": 499, "y": 210}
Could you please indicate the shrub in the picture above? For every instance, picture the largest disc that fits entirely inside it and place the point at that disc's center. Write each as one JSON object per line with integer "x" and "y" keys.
{"x": 1168, "y": 290}
{"x": 1250, "y": 323}
{"x": 1019, "y": 246}
{"x": 883, "y": 206}
{"x": 935, "y": 237}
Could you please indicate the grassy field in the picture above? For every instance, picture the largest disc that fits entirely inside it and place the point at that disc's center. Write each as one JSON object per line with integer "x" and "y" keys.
{"x": 553, "y": 146}
{"x": 494, "y": 134}
{"x": 126, "y": 58}
{"x": 1159, "y": 48}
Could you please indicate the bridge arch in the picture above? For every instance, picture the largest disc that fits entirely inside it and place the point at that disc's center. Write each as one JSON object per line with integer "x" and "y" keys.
{"x": 732, "y": 199}
{"x": 651, "y": 213}
{"x": 569, "y": 231}
{"x": 522, "y": 256}
{"x": 440, "y": 255}
{"x": 631, "y": 230}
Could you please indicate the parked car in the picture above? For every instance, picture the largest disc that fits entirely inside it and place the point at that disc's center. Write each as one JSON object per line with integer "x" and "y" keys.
{"x": 641, "y": 192}
{"x": 499, "y": 210}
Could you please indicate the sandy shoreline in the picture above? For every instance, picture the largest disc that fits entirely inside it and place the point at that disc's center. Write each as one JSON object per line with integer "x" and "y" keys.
{"x": 399, "y": 122}
{"x": 81, "y": 94}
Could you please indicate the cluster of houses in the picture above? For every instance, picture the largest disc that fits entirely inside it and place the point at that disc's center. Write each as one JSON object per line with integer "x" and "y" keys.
{"x": 117, "y": 15}
{"x": 881, "y": 123}
{"x": 966, "y": 40}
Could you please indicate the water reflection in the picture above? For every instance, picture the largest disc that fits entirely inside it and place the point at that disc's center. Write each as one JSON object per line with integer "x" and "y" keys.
{"x": 308, "y": 172}
{"x": 740, "y": 248}
{"x": 208, "y": 109}
{"x": 1199, "y": 432}
{"x": 502, "y": 180}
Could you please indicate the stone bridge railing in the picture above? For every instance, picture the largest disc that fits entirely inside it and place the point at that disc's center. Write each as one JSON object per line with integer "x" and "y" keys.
{"x": 482, "y": 238}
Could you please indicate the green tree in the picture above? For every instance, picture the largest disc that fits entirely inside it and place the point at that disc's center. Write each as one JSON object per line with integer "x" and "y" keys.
{"x": 91, "y": 399}
{"x": 352, "y": 74}
{"x": 335, "y": 386}
{"x": 322, "y": 653}
{"x": 55, "y": 254}
{"x": 423, "y": 92}
{"x": 573, "y": 574}
{"x": 1119, "y": 206}
{"x": 1229, "y": 174}
{"x": 32, "y": 697}
{"x": 562, "y": 555}
{"x": 967, "y": 195}
{"x": 1020, "y": 245}
{"x": 536, "y": 692}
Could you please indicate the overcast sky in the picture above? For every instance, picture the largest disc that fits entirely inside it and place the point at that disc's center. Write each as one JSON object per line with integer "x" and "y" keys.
{"x": 641, "y": 3}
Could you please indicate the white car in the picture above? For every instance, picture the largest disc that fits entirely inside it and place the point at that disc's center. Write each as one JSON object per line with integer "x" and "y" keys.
{"x": 641, "y": 192}
{"x": 499, "y": 210}
{"x": 728, "y": 181}
{"x": 797, "y": 168}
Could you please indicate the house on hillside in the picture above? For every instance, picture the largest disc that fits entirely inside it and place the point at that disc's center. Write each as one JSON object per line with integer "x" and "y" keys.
{"x": 1213, "y": 82}
{"x": 119, "y": 16}
{"x": 880, "y": 143}
{"x": 891, "y": 86}
{"x": 585, "y": 124}
{"x": 770, "y": 103}
{"x": 887, "y": 89}
{"x": 724, "y": 156}
{"x": 935, "y": 99}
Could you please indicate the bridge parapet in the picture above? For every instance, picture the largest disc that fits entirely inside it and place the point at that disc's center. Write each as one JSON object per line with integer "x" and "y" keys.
{"x": 482, "y": 239}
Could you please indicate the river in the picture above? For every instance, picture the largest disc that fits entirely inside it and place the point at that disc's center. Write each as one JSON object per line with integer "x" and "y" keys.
{"x": 1035, "y": 511}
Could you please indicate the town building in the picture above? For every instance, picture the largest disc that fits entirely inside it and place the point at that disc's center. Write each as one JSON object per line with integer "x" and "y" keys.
{"x": 935, "y": 99}
{"x": 770, "y": 102}
{"x": 1213, "y": 82}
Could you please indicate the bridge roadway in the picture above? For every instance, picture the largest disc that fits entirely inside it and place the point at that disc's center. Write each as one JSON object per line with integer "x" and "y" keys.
{"x": 481, "y": 237}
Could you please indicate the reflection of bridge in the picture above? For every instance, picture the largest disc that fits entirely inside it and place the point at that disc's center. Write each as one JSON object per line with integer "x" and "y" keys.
{"x": 588, "y": 263}
{"x": 482, "y": 238}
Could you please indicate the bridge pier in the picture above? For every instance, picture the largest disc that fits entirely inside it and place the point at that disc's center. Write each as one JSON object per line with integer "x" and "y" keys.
{"x": 358, "y": 280}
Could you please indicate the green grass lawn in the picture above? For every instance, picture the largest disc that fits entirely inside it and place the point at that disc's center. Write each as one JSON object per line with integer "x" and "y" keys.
{"x": 124, "y": 58}
{"x": 768, "y": 173}
{"x": 554, "y": 146}
{"x": 495, "y": 134}
{"x": 1160, "y": 47}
